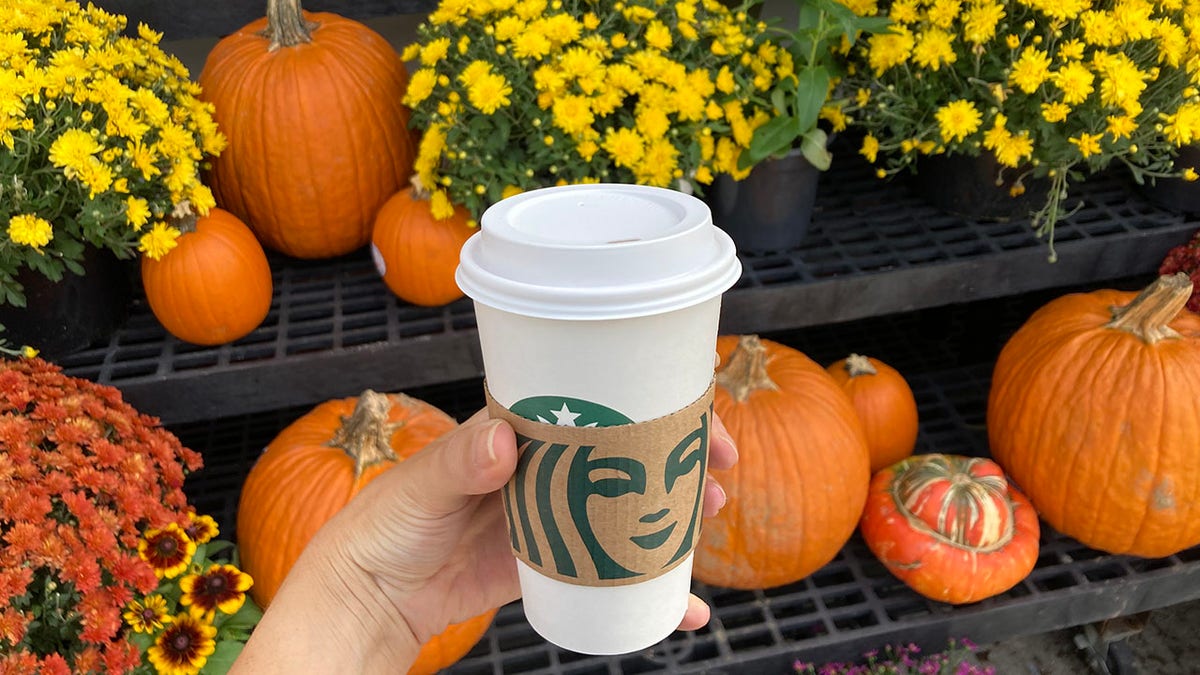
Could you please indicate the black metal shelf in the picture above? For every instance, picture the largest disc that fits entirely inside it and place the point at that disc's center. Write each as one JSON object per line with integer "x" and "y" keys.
{"x": 852, "y": 604}
{"x": 874, "y": 248}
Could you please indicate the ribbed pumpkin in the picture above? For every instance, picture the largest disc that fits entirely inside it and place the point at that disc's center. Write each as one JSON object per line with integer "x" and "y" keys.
{"x": 214, "y": 286}
{"x": 318, "y": 137}
{"x": 951, "y": 527}
{"x": 417, "y": 254}
{"x": 885, "y": 404}
{"x": 1094, "y": 411}
{"x": 312, "y": 468}
{"x": 797, "y": 491}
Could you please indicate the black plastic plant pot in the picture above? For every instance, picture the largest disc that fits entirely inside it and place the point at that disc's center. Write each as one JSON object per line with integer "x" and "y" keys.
{"x": 977, "y": 187}
{"x": 64, "y": 317}
{"x": 771, "y": 208}
{"x": 1175, "y": 194}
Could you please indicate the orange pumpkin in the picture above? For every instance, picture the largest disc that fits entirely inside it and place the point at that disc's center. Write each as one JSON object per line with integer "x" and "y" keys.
{"x": 214, "y": 286}
{"x": 417, "y": 254}
{"x": 797, "y": 491}
{"x": 1094, "y": 411}
{"x": 318, "y": 137}
{"x": 312, "y": 468}
{"x": 885, "y": 404}
{"x": 951, "y": 527}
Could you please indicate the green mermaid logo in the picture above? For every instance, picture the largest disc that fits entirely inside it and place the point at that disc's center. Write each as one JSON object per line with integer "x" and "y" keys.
{"x": 597, "y": 499}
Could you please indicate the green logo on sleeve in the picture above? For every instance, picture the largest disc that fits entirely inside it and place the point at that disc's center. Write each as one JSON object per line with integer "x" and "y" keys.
{"x": 614, "y": 506}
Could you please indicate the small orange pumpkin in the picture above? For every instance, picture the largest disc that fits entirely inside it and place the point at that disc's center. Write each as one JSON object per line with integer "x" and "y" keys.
{"x": 1094, "y": 410}
{"x": 416, "y": 253}
{"x": 885, "y": 404}
{"x": 214, "y": 286}
{"x": 311, "y": 470}
{"x": 951, "y": 527}
{"x": 797, "y": 491}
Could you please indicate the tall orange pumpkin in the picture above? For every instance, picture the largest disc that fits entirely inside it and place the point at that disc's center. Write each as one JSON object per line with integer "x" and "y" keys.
{"x": 885, "y": 404}
{"x": 318, "y": 137}
{"x": 312, "y": 468}
{"x": 798, "y": 489}
{"x": 214, "y": 286}
{"x": 1094, "y": 411}
{"x": 416, "y": 253}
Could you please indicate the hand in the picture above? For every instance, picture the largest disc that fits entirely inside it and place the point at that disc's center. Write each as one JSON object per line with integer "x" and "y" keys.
{"x": 423, "y": 546}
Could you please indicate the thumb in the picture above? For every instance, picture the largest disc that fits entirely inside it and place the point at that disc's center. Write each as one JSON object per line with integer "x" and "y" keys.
{"x": 474, "y": 459}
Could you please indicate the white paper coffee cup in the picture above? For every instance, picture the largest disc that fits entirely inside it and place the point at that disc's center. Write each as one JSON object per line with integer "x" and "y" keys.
{"x": 604, "y": 299}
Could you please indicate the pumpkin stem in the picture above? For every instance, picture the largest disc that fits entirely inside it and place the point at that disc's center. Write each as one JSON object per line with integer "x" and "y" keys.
{"x": 419, "y": 191}
{"x": 366, "y": 435}
{"x": 286, "y": 25}
{"x": 857, "y": 364}
{"x": 1147, "y": 315}
{"x": 746, "y": 370}
{"x": 185, "y": 224}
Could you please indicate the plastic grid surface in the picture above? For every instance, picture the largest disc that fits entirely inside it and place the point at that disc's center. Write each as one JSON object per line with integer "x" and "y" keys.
{"x": 852, "y": 604}
{"x": 874, "y": 248}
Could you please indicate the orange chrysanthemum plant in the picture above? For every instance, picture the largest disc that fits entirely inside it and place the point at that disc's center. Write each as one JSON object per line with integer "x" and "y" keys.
{"x": 104, "y": 567}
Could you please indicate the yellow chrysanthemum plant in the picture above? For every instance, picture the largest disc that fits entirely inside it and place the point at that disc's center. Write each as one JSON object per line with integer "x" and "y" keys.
{"x": 104, "y": 138}
{"x": 514, "y": 95}
{"x": 1053, "y": 89}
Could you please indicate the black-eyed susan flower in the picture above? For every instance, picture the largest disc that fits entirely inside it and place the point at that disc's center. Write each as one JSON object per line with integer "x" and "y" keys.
{"x": 167, "y": 550}
{"x": 219, "y": 588}
{"x": 147, "y": 615}
{"x": 184, "y": 647}
{"x": 200, "y": 529}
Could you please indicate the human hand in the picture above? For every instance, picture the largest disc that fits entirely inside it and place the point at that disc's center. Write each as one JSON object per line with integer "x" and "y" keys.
{"x": 422, "y": 546}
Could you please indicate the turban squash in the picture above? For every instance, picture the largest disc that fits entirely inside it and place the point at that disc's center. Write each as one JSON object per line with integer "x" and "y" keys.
{"x": 312, "y": 468}
{"x": 1094, "y": 411}
{"x": 951, "y": 527}
{"x": 797, "y": 491}
{"x": 318, "y": 137}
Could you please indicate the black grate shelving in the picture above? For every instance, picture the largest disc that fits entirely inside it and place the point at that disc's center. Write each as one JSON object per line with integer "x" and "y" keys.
{"x": 874, "y": 248}
{"x": 852, "y": 604}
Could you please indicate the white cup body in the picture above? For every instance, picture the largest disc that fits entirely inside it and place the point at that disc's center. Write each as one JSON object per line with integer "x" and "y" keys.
{"x": 639, "y": 339}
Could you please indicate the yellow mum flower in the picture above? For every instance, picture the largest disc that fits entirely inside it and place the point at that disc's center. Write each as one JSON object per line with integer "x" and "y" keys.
{"x": 957, "y": 120}
{"x": 1088, "y": 144}
{"x": 1121, "y": 126}
{"x": 156, "y": 243}
{"x": 1030, "y": 70}
{"x": 435, "y": 51}
{"x": 1074, "y": 80}
{"x": 137, "y": 212}
{"x": 1055, "y": 112}
{"x": 934, "y": 49}
{"x": 439, "y": 205}
{"x": 888, "y": 50}
{"x": 489, "y": 93}
{"x": 658, "y": 36}
{"x": 73, "y": 148}
{"x": 30, "y": 230}
{"x": 870, "y": 148}
{"x": 625, "y": 146}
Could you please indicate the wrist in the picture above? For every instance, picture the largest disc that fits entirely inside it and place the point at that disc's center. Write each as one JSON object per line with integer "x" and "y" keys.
{"x": 329, "y": 616}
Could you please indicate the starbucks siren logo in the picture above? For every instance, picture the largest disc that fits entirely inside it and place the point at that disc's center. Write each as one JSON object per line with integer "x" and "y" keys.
{"x": 599, "y": 500}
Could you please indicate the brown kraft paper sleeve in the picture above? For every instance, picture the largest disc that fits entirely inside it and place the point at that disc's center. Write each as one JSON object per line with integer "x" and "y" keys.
{"x": 598, "y": 505}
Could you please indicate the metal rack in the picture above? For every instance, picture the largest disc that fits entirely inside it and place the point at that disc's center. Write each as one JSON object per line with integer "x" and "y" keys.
{"x": 853, "y": 603}
{"x": 874, "y": 248}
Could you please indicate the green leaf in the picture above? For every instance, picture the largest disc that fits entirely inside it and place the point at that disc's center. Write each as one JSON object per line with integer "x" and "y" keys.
{"x": 777, "y": 134}
{"x": 245, "y": 618}
{"x": 216, "y": 546}
{"x": 814, "y": 148}
{"x": 810, "y": 96}
{"x": 222, "y": 658}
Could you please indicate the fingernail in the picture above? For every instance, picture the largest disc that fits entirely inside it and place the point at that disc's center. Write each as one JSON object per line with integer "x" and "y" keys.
{"x": 732, "y": 443}
{"x": 721, "y": 497}
{"x": 489, "y": 444}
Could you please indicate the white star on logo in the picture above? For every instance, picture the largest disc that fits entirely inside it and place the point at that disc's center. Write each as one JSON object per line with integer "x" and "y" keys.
{"x": 563, "y": 417}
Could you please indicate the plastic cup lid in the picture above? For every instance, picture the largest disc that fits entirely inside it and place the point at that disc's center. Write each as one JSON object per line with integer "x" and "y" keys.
{"x": 597, "y": 251}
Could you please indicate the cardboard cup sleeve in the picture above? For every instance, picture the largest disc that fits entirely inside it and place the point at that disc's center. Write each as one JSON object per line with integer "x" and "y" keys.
{"x": 607, "y": 505}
